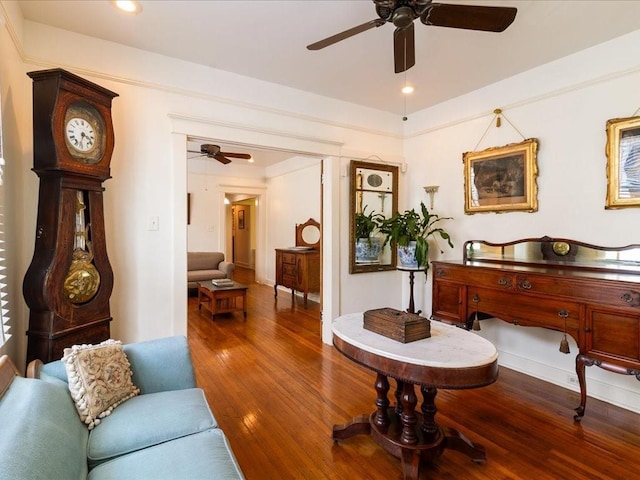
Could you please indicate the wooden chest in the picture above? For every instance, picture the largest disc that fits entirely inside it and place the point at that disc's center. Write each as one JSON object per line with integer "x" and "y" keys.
{"x": 401, "y": 326}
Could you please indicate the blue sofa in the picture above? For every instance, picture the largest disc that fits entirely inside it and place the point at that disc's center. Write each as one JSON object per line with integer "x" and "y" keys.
{"x": 166, "y": 432}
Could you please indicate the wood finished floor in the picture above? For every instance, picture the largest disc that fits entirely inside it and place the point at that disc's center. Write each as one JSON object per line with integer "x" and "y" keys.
{"x": 277, "y": 390}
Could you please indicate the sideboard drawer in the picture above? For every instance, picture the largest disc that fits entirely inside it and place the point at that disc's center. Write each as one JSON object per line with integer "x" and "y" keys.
{"x": 289, "y": 258}
{"x": 289, "y": 280}
{"x": 289, "y": 269}
{"x": 483, "y": 276}
{"x": 525, "y": 310}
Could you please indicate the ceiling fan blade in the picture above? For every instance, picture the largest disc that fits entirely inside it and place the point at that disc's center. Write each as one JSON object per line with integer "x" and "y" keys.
{"x": 404, "y": 48}
{"x": 346, "y": 34}
{"x": 246, "y": 156}
{"x": 470, "y": 17}
{"x": 221, "y": 158}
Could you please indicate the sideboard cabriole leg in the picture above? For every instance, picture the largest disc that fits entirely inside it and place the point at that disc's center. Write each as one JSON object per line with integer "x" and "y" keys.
{"x": 381, "y": 417}
{"x": 275, "y": 290}
{"x": 408, "y": 417}
{"x": 429, "y": 426}
{"x": 581, "y": 361}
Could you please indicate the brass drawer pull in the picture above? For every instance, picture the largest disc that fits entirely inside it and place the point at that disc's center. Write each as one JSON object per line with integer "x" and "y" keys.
{"x": 525, "y": 285}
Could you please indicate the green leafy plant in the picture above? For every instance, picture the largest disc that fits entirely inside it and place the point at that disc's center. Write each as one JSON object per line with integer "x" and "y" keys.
{"x": 365, "y": 223}
{"x": 408, "y": 226}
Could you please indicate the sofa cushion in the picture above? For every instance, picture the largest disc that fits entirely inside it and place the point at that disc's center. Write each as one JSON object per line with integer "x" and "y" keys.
{"x": 149, "y": 420}
{"x": 205, "y": 455}
{"x": 158, "y": 365}
{"x": 42, "y": 436}
{"x": 204, "y": 260}
{"x": 99, "y": 379}
{"x": 204, "y": 275}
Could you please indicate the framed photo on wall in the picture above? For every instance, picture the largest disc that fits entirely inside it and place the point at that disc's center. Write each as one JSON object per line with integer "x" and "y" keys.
{"x": 241, "y": 219}
{"x": 623, "y": 162}
{"x": 501, "y": 179}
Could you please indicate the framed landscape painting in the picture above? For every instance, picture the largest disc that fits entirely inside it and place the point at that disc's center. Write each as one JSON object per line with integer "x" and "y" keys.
{"x": 623, "y": 162}
{"x": 501, "y": 179}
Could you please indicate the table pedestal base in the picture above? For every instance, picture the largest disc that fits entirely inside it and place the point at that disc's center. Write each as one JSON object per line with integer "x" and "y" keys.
{"x": 406, "y": 434}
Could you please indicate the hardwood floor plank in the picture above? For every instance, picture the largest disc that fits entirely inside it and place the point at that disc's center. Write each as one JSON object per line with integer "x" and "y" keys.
{"x": 277, "y": 390}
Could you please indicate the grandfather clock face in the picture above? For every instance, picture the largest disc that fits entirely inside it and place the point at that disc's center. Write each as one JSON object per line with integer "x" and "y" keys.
{"x": 84, "y": 132}
{"x": 69, "y": 281}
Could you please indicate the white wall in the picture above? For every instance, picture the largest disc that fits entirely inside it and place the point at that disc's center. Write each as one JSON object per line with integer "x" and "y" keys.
{"x": 565, "y": 105}
{"x": 293, "y": 198}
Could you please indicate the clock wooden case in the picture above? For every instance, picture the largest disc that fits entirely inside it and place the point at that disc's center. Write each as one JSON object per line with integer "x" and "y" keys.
{"x": 69, "y": 282}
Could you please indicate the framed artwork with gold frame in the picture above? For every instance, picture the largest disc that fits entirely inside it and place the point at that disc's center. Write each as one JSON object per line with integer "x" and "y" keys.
{"x": 501, "y": 179}
{"x": 623, "y": 162}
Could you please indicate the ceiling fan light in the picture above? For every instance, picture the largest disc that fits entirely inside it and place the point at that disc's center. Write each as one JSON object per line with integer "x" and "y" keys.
{"x": 128, "y": 6}
{"x": 250, "y": 160}
{"x": 407, "y": 89}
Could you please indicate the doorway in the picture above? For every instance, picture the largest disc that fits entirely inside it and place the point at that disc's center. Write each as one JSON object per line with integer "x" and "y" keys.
{"x": 243, "y": 233}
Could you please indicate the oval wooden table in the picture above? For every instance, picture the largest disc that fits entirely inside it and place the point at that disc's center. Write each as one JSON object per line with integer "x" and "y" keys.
{"x": 452, "y": 358}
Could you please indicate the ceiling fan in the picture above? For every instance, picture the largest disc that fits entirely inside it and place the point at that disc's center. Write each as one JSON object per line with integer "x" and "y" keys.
{"x": 213, "y": 151}
{"x": 402, "y": 13}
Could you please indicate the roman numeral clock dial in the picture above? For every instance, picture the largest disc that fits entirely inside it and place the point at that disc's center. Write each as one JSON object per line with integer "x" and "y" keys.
{"x": 84, "y": 132}
{"x": 80, "y": 134}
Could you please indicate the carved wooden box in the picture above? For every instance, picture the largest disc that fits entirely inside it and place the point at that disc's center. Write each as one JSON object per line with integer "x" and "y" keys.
{"x": 401, "y": 326}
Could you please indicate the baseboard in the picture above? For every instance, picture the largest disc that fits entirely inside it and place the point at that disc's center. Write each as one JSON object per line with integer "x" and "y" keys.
{"x": 618, "y": 395}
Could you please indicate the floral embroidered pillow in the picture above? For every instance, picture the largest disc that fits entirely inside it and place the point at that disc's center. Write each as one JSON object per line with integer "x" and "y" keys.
{"x": 99, "y": 379}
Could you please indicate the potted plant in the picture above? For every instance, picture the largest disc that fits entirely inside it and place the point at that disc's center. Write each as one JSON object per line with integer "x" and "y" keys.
{"x": 410, "y": 228}
{"x": 368, "y": 247}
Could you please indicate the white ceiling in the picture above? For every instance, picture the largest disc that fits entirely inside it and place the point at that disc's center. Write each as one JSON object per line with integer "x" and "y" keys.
{"x": 267, "y": 40}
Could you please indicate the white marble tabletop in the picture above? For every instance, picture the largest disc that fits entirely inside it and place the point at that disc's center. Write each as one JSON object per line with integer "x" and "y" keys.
{"x": 448, "y": 346}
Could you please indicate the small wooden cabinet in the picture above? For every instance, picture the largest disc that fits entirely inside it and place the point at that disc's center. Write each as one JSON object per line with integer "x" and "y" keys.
{"x": 591, "y": 293}
{"x": 298, "y": 268}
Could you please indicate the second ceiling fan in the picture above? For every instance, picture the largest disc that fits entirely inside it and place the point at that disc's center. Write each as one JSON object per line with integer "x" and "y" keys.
{"x": 402, "y": 13}
{"x": 213, "y": 151}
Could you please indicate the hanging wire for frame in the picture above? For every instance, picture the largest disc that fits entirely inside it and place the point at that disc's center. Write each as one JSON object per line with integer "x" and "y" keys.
{"x": 497, "y": 115}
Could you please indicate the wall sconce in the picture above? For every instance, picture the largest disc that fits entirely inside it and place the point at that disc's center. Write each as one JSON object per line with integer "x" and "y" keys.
{"x": 431, "y": 190}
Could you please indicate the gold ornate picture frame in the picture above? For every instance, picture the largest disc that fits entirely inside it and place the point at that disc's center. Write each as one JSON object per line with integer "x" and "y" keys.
{"x": 502, "y": 179}
{"x": 623, "y": 162}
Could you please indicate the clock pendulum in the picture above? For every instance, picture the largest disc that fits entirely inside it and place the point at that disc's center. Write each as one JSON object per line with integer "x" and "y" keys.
{"x": 69, "y": 281}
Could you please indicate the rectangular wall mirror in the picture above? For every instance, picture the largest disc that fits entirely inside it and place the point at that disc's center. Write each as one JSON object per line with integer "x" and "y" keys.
{"x": 374, "y": 196}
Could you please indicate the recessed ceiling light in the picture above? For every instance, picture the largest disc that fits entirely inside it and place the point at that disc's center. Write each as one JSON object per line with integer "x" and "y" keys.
{"x": 129, "y": 6}
{"x": 407, "y": 89}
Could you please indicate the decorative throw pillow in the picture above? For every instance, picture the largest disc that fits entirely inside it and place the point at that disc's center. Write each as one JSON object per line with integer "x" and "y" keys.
{"x": 99, "y": 379}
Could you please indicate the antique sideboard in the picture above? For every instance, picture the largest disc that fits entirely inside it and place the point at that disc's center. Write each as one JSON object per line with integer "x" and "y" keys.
{"x": 588, "y": 292}
{"x": 298, "y": 267}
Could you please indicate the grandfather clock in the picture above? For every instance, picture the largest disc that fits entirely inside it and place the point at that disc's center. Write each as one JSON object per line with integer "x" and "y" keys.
{"x": 69, "y": 282}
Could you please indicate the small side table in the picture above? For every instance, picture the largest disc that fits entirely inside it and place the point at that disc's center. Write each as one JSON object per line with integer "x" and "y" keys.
{"x": 222, "y": 299}
{"x": 412, "y": 271}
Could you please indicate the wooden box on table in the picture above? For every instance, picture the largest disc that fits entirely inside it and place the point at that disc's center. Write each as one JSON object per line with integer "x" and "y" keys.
{"x": 400, "y": 326}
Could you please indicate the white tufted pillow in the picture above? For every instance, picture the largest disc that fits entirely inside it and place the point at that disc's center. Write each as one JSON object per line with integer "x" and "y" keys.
{"x": 99, "y": 379}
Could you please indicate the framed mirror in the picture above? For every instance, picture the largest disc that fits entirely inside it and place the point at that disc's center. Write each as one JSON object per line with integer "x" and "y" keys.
{"x": 373, "y": 197}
